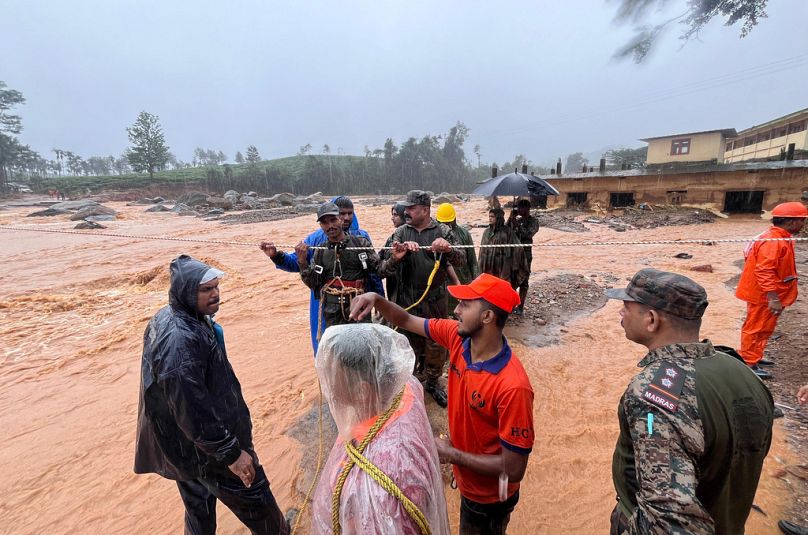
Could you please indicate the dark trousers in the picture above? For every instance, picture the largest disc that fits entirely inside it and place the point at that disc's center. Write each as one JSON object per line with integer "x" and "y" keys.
{"x": 255, "y": 506}
{"x": 486, "y": 518}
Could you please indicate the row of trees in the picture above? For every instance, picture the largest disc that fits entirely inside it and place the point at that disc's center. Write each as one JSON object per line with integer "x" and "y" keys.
{"x": 433, "y": 162}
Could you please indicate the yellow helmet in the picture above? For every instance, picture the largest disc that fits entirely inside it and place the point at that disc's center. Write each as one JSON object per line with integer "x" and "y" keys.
{"x": 445, "y": 213}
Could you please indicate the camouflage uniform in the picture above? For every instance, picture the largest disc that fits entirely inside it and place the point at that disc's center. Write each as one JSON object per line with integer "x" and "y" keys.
{"x": 471, "y": 270}
{"x": 695, "y": 427}
{"x": 337, "y": 268}
{"x": 499, "y": 261}
{"x": 413, "y": 272}
{"x": 524, "y": 228}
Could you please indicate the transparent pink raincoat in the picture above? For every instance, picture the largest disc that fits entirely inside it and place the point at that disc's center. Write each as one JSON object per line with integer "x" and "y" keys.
{"x": 362, "y": 367}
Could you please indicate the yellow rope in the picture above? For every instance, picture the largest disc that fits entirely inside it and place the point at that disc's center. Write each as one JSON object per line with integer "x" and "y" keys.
{"x": 307, "y": 499}
{"x": 428, "y": 284}
{"x": 387, "y": 484}
{"x": 372, "y": 432}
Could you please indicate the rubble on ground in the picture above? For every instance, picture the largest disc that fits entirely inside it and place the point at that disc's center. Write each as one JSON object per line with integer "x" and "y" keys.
{"x": 652, "y": 216}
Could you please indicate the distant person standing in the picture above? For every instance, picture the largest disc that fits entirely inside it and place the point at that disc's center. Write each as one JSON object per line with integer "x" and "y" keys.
{"x": 768, "y": 282}
{"x": 524, "y": 226}
{"x": 499, "y": 261}
{"x": 193, "y": 425}
{"x": 695, "y": 424}
{"x": 471, "y": 270}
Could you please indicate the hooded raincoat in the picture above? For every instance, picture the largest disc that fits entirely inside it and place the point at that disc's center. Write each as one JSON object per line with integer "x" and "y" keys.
{"x": 191, "y": 414}
{"x": 288, "y": 262}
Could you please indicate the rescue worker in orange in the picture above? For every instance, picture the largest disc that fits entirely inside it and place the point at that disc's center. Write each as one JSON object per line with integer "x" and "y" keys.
{"x": 768, "y": 283}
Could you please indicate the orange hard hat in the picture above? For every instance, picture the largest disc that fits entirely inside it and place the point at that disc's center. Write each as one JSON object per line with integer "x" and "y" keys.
{"x": 790, "y": 209}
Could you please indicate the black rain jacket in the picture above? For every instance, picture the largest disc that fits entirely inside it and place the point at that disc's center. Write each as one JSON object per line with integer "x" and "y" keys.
{"x": 192, "y": 417}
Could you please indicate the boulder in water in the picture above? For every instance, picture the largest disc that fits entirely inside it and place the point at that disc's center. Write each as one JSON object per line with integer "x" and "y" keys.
{"x": 88, "y": 225}
{"x": 158, "y": 208}
{"x": 74, "y": 205}
{"x": 284, "y": 199}
{"x": 49, "y": 212}
{"x": 193, "y": 198}
{"x": 89, "y": 211}
{"x": 220, "y": 202}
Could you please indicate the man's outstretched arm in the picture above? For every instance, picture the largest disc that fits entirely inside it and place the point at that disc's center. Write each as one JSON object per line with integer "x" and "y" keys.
{"x": 362, "y": 305}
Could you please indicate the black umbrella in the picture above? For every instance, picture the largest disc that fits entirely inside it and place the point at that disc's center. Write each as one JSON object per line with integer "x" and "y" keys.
{"x": 516, "y": 185}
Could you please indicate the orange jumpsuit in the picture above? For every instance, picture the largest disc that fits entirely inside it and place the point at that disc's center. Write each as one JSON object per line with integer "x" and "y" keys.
{"x": 769, "y": 267}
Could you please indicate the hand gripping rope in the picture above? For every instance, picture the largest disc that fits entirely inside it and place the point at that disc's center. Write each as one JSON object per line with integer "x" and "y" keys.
{"x": 356, "y": 458}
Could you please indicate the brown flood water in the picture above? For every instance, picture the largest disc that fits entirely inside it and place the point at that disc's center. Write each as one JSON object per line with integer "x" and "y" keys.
{"x": 74, "y": 308}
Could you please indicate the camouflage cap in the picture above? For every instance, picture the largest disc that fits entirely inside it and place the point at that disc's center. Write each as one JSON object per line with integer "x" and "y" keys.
{"x": 327, "y": 208}
{"x": 417, "y": 197}
{"x": 664, "y": 291}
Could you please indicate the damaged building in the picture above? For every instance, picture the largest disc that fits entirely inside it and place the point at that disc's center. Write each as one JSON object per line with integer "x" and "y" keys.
{"x": 732, "y": 188}
{"x": 736, "y": 172}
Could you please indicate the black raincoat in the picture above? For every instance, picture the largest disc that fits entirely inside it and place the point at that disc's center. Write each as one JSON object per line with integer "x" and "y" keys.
{"x": 191, "y": 415}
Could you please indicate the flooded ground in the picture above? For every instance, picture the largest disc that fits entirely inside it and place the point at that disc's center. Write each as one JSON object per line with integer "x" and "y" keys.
{"x": 73, "y": 312}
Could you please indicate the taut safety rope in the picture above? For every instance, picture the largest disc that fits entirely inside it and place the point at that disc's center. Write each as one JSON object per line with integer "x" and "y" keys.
{"x": 703, "y": 241}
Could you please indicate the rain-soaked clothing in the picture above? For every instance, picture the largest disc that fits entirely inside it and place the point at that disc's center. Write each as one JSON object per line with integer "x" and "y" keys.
{"x": 695, "y": 427}
{"x": 192, "y": 418}
{"x": 414, "y": 274}
{"x": 288, "y": 262}
{"x": 524, "y": 228}
{"x": 500, "y": 261}
{"x": 362, "y": 368}
{"x": 490, "y": 408}
{"x": 336, "y": 275}
{"x": 769, "y": 267}
{"x": 404, "y": 450}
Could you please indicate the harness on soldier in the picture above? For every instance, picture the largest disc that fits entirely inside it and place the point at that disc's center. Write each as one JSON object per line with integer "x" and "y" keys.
{"x": 356, "y": 458}
{"x": 336, "y": 287}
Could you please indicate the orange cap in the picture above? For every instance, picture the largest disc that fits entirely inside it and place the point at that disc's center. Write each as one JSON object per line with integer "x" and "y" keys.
{"x": 790, "y": 209}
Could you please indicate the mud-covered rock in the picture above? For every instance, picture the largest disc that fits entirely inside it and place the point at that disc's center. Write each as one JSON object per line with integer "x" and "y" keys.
{"x": 91, "y": 211}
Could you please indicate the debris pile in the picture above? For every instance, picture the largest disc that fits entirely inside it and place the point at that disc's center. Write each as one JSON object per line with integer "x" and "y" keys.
{"x": 652, "y": 216}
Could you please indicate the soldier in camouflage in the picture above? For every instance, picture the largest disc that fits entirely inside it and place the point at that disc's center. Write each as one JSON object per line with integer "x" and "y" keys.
{"x": 524, "y": 226}
{"x": 422, "y": 231}
{"x": 695, "y": 424}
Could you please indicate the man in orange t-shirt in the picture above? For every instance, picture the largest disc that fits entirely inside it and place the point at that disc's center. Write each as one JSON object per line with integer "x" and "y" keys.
{"x": 490, "y": 398}
{"x": 769, "y": 282}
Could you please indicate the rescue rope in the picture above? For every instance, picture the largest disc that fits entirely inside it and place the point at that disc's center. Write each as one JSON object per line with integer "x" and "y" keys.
{"x": 392, "y": 489}
{"x": 413, "y": 511}
{"x": 307, "y": 498}
{"x": 703, "y": 241}
{"x": 428, "y": 283}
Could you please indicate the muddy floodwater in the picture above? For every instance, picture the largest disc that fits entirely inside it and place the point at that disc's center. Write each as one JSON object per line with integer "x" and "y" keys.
{"x": 73, "y": 310}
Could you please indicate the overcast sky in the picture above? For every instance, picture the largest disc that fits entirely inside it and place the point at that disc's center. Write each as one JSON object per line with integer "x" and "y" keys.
{"x": 526, "y": 77}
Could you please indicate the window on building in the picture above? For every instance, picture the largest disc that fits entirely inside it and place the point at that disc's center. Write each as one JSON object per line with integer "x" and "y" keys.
{"x": 781, "y": 132}
{"x": 621, "y": 200}
{"x": 749, "y": 141}
{"x": 677, "y": 197}
{"x": 729, "y": 146}
{"x": 680, "y": 146}
{"x": 793, "y": 128}
{"x": 765, "y": 136}
{"x": 576, "y": 199}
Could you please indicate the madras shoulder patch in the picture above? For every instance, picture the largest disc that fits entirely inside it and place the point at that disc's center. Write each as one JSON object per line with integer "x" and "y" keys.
{"x": 666, "y": 387}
